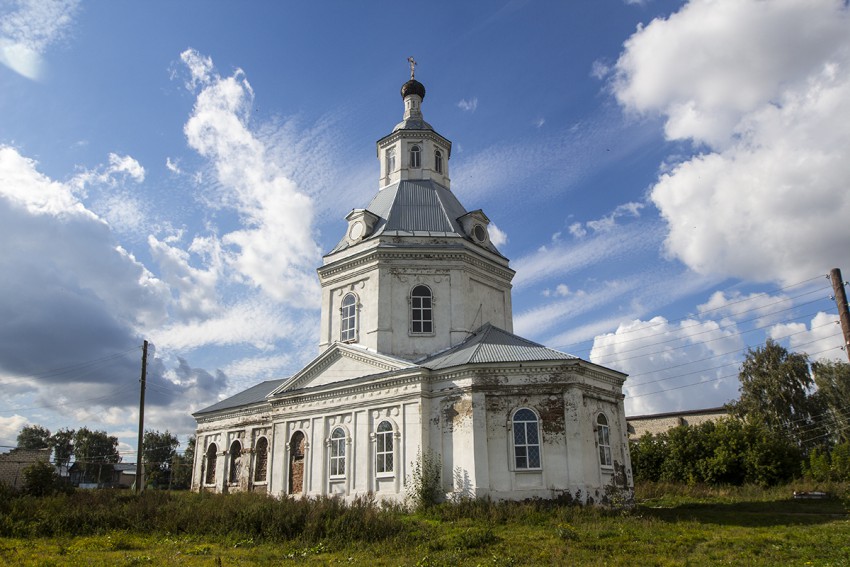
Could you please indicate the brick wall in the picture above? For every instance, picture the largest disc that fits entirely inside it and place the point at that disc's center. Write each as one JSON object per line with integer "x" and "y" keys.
{"x": 13, "y": 463}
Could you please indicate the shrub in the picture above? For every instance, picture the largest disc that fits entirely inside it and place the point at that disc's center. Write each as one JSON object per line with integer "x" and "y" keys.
{"x": 424, "y": 486}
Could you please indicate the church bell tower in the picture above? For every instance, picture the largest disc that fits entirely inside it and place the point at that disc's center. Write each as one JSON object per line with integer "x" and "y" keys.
{"x": 415, "y": 272}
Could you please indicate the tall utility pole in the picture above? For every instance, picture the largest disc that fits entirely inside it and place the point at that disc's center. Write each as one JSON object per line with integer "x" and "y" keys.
{"x": 140, "y": 470}
{"x": 841, "y": 302}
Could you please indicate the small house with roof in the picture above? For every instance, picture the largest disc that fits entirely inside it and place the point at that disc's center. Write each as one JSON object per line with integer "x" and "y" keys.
{"x": 417, "y": 356}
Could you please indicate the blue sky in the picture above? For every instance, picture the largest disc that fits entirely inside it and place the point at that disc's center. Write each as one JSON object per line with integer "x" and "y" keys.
{"x": 667, "y": 178}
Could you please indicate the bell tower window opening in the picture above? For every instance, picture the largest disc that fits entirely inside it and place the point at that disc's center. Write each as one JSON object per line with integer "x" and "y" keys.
{"x": 348, "y": 319}
{"x": 438, "y": 161}
{"x": 421, "y": 311}
{"x": 415, "y": 157}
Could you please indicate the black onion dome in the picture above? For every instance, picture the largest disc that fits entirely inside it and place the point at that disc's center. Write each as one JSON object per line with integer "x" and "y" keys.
{"x": 413, "y": 87}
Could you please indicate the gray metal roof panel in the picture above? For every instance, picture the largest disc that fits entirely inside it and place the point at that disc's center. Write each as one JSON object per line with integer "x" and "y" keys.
{"x": 253, "y": 395}
{"x": 491, "y": 344}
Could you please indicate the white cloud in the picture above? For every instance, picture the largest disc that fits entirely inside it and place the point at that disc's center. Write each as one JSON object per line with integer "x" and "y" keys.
{"x": 667, "y": 360}
{"x": 468, "y": 105}
{"x": 28, "y": 28}
{"x": 600, "y": 69}
{"x": 766, "y": 86}
{"x": 275, "y": 250}
{"x": 762, "y": 307}
{"x": 497, "y": 236}
{"x": 173, "y": 166}
{"x": 539, "y": 122}
{"x": 822, "y": 339}
{"x": 9, "y": 429}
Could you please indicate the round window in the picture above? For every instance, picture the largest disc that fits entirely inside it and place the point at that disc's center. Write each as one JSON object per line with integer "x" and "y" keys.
{"x": 480, "y": 233}
{"x": 356, "y": 231}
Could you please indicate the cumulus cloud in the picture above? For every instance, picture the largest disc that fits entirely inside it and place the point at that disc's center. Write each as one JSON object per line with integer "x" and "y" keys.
{"x": 497, "y": 236}
{"x": 821, "y": 339}
{"x": 468, "y": 105}
{"x": 761, "y": 307}
{"x": 274, "y": 250}
{"x": 764, "y": 88}
{"x": 671, "y": 364}
{"x": 28, "y": 28}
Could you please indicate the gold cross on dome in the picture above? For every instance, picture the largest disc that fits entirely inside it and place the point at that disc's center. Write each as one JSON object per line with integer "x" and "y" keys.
{"x": 412, "y": 62}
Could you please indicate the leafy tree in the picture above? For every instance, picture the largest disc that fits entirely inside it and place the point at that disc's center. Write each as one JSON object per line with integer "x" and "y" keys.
{"x": 182, "y": 466}
{"x": 159, "y": 451}
{"x": 833, "y": 381}
{"x": 62, "y": 443}
{"x": 774, "y": 390}
{"x": 96, "y": 452}
{"x": 41, "y": 479}
{"x": 34, "y": 437}
{"x": 648, "y": 456}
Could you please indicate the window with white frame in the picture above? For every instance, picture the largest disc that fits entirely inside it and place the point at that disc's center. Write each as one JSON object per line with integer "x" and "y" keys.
{"x": 384, "y": 448}
{"x": 348, "y": 318}
{"x": 603, "y": 440}
{"x": 415, "y": 156}
{"x": 261, "y": 459}
{"x": 438, "y": 161}
{"x": 526, "y": 428}
{"x": 337, "y": 452}
{"x": 421, "y": 314}
{"x": 211, "y": 460}
{"x": 235, "y": 462}
{"x": 390, "y": 160}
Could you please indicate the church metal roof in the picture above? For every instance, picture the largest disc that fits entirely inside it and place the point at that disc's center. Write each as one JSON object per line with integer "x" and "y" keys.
{"x": 491, "y": 344}
{"x": 251, "y": 396}
{"x": 416, "y": 208}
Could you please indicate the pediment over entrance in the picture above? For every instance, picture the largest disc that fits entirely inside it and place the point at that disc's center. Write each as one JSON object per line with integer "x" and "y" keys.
{"x": 341, "y": 362}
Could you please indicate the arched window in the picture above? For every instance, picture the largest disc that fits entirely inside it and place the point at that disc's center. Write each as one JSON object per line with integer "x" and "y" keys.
{"x": 526, "y": 440}
{"x": 415, "y": 157}
{"x": 235, "y": 462}
{"x": 261, "y": 452}
{"x": 438, "y": 161}
{"x": 337, "y": 452}
{"x": 348, "y": 318}
{"x": 384, "y": 448}
{"x": 421, "y": 314}
{"x": 296, "y": 462}
{"x": 211, "y": 460}
{"x": 390, "y": 160}
{"x": 603, "y": 440}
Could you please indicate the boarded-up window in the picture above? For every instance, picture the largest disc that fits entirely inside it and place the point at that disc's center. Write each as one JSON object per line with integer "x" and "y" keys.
{"x": 235, "y": 462}
{"x": 261, "y": 453}
{"x": 211, "y": 459}
{"x": 296, "y": 463}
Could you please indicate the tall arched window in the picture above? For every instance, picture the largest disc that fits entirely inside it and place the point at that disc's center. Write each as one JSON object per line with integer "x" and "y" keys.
{"x": 384, "y": 448}
{"x": 421, "y": 313}
{"x": 211, "y": 460}
{"x": 603, "y": 440}
{"x": 235, "y": 462}
{"x": 261, "y": 453}
{"x": 348, "y": 318}
{"x": 296, "y": 462}
{"x": 415, "y": 157}
{"x": 390, "y": 160}
{"x": 526, "y": 439}
{"x": 337, "y": 454}
{"x": 438, "y": 161}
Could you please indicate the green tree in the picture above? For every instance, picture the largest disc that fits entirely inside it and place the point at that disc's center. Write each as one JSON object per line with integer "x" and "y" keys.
{"x": 34, "y": 437}
{"x": 96, "y": 452}
{"x": 833, "y": 381}
{"x": 41, "y": 479}
{"x": 62, "y": 443}
{"x": 182, "y": 466}
{"x": 775, "y": 386}
{"x": 159, "y": 451}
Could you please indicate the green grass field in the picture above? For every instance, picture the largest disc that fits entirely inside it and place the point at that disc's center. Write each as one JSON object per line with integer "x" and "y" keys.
{"x": 671, "y": 525}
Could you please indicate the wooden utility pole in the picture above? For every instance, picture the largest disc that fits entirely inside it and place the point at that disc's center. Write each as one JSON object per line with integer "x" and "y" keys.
{"x": 841, "y": 302}
{"x": 140, "y": 469}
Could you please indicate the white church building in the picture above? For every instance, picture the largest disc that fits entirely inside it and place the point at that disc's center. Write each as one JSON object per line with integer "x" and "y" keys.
{"x": 417, "y": 356}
